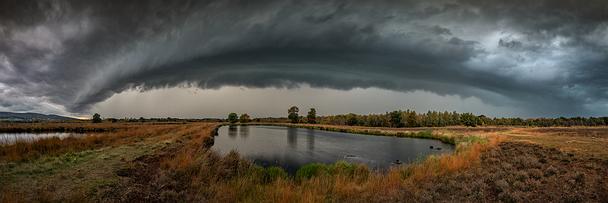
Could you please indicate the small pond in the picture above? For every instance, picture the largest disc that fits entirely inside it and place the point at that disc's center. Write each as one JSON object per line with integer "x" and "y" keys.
{"x": 291, "y": 148}
{"x": 11, "y": 138}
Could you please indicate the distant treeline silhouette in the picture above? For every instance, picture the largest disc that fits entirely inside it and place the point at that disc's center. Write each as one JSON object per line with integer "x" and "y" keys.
{"x": 410, "y": 118}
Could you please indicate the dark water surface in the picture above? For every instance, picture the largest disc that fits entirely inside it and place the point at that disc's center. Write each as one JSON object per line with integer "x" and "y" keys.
{"x": 291, "y": 148}
{"x": 11, "y": 138}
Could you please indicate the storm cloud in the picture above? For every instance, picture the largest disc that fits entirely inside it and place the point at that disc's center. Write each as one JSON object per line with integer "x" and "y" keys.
{"x": 549, "y": 57}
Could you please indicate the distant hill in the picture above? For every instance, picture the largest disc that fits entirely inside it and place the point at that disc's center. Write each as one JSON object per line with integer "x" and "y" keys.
{"x": 10, "y": 116}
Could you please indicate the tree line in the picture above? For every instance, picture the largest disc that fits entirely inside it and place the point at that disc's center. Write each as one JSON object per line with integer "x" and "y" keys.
{"x": 410, "y": 118}
{"x": 397, "y": 119}
{"x": 292, "y": 116}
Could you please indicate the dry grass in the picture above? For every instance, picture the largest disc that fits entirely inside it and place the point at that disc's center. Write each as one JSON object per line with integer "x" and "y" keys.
{"x": 467, "y": 154}
{"x": 522, "y": 172}
{"x": 10, "y": 196}
{"x": 590, "y": 142}
{"x": 80, "y": 127}
{"x": 80, "y": 169}
{"x": 194, "y": 138}
{"x": 55, "y": 146}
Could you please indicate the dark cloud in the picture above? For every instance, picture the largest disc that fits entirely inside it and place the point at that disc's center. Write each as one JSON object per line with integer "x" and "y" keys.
{"x": 547, "y": 56}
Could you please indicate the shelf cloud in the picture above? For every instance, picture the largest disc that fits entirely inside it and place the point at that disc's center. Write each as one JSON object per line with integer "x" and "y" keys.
{"x": 547, "y": 56}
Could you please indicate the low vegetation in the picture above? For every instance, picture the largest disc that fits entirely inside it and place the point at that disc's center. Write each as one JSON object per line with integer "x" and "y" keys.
{"x": 523, "y": 172}
{"x": 98, "y": 136}
{"x": 72, "y": 127}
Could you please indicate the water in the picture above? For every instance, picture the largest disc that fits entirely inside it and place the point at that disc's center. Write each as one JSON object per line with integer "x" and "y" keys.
{"x": 11, "y": 138}
{"x": 291, "y": 148}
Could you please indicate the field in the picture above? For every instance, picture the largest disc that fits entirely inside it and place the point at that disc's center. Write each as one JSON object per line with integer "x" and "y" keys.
{"x": 171, "y": 162}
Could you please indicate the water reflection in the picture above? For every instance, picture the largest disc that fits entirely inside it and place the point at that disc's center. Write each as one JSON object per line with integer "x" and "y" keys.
{"x": 310, "y": 138}
{"x": 232, "y": 131}
{"x": 291, "y": 148}
{"x": 244, "y": 131}
{"x": 12, "y": 138}
{"x": 292, "y": 137}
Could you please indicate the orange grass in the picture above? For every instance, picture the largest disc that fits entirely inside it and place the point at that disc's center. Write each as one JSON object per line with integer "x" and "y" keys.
{"x": 195, "y": 138}
{"x": 467, "y": 154}
{"x": 10, "y": 196}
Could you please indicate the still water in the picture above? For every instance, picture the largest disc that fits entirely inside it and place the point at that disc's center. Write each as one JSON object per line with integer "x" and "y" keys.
{"x": 291, "y": 148}
{"x": 11, "y": 138}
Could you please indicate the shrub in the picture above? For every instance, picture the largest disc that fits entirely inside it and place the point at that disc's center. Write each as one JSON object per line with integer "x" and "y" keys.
{"x": 273, "y": 173}
{"x": 536, "y": 173}
{"x": 501, "y": 185}
{"x": 343, "y": 168}
{"x": 310, "y": 170}
{"x": 551, "y": 171}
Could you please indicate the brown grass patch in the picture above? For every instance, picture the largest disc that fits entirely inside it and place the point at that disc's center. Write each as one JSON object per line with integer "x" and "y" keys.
{"x": 589, "y": 142}
{"x": 54, "y": 146}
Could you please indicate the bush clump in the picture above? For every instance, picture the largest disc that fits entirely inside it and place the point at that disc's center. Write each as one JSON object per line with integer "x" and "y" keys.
{"x": 273, "y": 173}
{"x": 310, "y": 170}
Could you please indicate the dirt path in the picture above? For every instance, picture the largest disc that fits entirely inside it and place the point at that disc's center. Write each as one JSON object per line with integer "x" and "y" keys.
{"x": 152, "y": 177}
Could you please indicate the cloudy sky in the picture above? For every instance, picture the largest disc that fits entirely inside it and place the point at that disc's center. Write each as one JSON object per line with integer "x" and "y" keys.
{"x": 209, "y": 57}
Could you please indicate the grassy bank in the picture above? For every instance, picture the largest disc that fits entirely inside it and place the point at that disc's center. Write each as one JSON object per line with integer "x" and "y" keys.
{"x": 23, "y": 150}
{"x": 81, "y": 169}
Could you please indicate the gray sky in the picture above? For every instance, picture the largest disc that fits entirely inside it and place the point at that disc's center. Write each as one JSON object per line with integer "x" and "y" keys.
{"x": 196, "y": 103}
{"x": 499, "y": 58}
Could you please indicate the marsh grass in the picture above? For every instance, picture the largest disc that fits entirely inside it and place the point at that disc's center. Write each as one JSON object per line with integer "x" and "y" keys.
{"x": 74, "y": 127}
{"x": 23, "y": 150}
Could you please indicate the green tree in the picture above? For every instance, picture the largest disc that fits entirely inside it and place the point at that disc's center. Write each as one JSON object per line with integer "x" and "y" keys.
{"x": 96, "y": 118}
{"x": 395, "y": 119}
{"x": 351, "y": 119}
{"x": 233, "y": 117}
{"x": 293, "y": 114}
{"x": 244, "y": 118}
{"x": 411, "y": 120}
{"x": 312, "y": 116}
{"x": 470, "y": 120}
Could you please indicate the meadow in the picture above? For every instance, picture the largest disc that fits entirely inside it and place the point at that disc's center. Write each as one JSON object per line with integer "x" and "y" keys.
{"x": 171, "y": 162}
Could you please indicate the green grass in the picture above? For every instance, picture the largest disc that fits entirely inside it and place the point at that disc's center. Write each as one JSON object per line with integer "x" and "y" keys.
{"x": 311, "y": 170}
{"x": 85, "y": 171}
{"x": 47, "y": 165}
